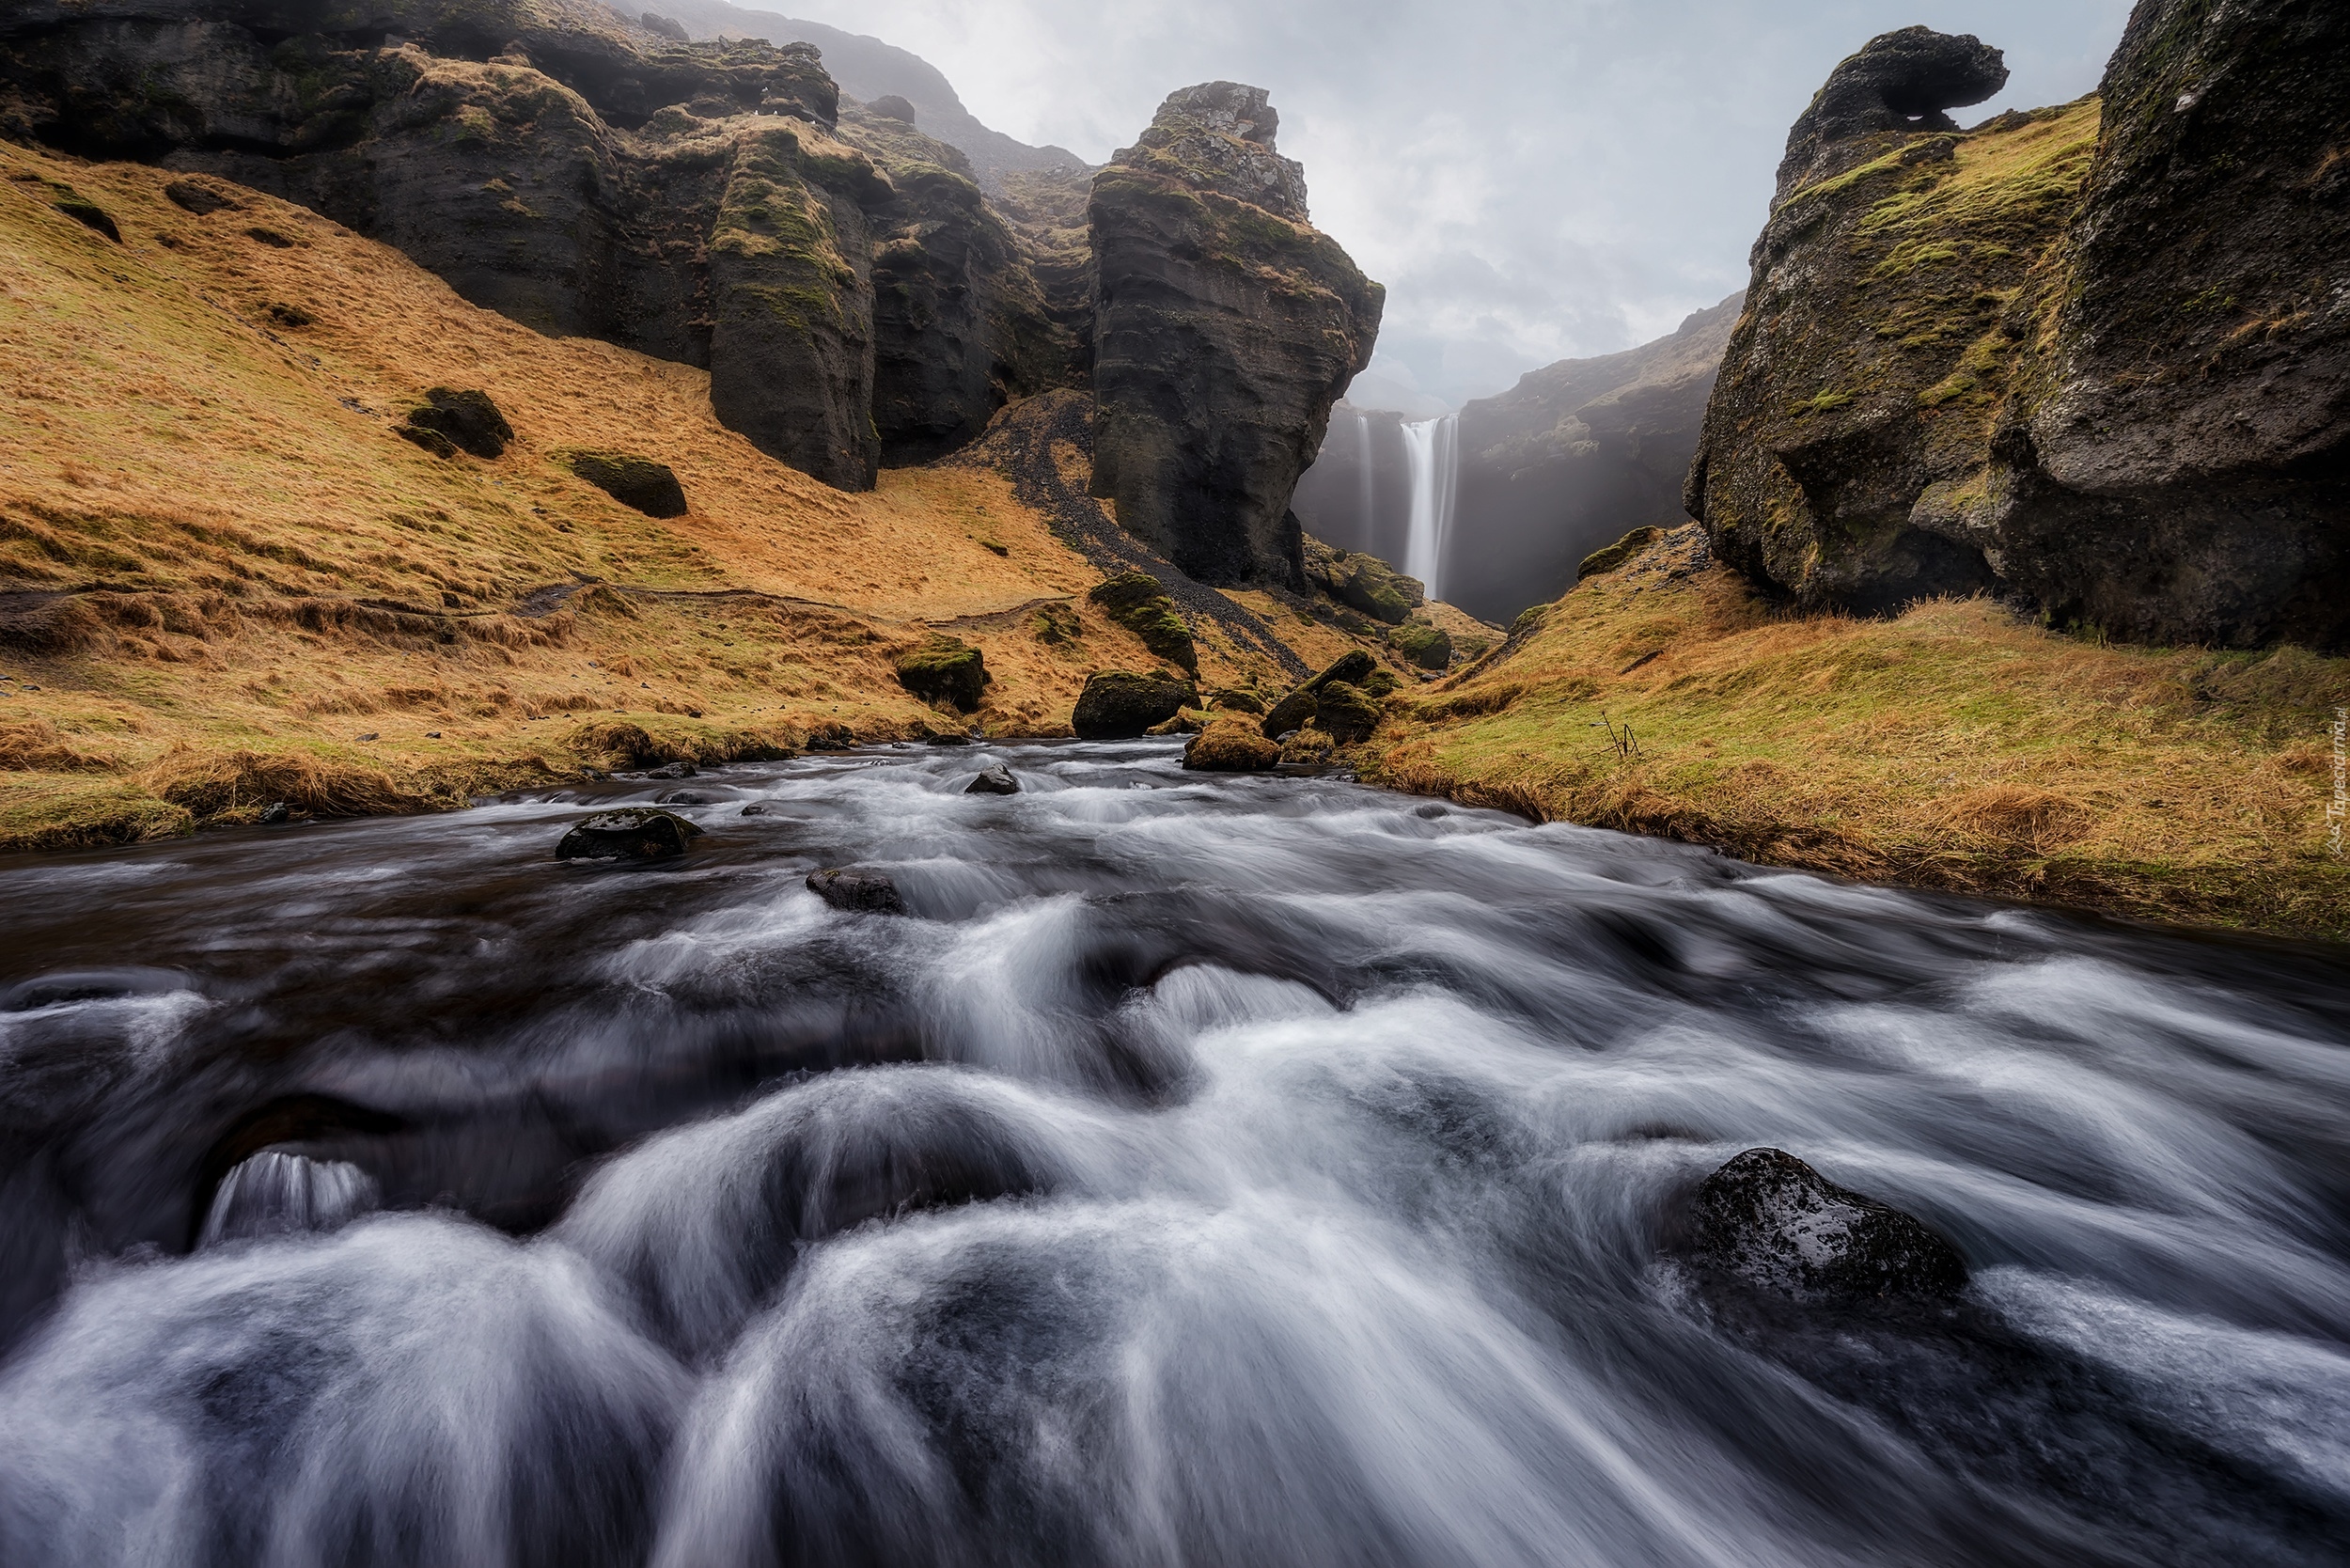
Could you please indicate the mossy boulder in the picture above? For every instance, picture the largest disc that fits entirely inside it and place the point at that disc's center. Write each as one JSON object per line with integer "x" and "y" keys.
{"x": 1368, "y": 583}
{"x": 946, "y": 670}
{"x": 1429, "y": 647}
{"x": 1297, "y": 709}
{"x": 1138, "y": 602}
{"x": 636, "y": 482}
{"x": 1117, "y": 705}
{"x": 466, "y": 421}
{"x": 1608, "y": 559}
{"x": 1230, "y": 745}
{"x": 1345, "y": 714}
{"x": 1231, "y": 699}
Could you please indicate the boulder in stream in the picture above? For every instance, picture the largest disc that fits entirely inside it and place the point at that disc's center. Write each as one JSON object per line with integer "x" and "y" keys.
{"x": 858, "y": 888}
{"x": 1771, "y": 1220}
{"x": 633, "y": 833}
{"x": 996, "y": 780}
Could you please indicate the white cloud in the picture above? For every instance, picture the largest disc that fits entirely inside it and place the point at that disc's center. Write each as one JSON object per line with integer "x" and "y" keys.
{"x": 1530, "y": 181}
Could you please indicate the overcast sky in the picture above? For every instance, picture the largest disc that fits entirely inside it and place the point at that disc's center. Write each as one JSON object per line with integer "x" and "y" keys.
{"x": 1530, "y": 179}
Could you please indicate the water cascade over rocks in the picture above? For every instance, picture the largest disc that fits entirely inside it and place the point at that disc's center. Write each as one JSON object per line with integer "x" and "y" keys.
{"x": 1432, "y": 448}
{"x": 1188, "y": 1168}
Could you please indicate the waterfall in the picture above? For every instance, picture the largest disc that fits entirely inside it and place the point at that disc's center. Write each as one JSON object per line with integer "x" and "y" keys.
{"x": 1432, "y": 448}
{"x": 275, "y": 1192}
{"x": 1367, "y": 511}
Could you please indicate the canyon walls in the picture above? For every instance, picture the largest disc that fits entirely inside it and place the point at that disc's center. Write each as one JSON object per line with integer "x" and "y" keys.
{"x": 2096, "y": 357}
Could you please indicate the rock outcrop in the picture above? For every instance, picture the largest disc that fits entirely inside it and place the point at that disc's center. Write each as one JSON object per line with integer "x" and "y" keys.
{"x": 1225, "y": 326}
{"x": 587, "y": 176}
{"x": 2088, "y": 356}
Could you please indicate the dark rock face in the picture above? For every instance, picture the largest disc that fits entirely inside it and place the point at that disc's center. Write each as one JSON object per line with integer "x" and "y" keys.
{"x": 2179, "y": 468}
{"x": 854, "y": 887}
{"x": 1138, "y": 602}
{"x": 1225, "y": 326}
{"x": 637, "y": 833}
{"x": 946, "y": 670}
{"x": 960, "y": 323}
{"x": 2081, "y": 357}
{"x": 996, "y": 780}
{"x": 650, "y": 487}
{"x": 1899, "y": 81}
{"x": 1771, "y": 1220}
{"x": 1116, "y": 705}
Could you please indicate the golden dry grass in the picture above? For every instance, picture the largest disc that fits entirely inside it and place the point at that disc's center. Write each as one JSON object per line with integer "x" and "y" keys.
{"x": 219, "y": 566}
{"x": 1953, "y": 748}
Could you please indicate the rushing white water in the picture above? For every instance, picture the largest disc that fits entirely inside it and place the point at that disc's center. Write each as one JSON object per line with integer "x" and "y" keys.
{"x": 1266, "y": 1172}
{"x": 273, "y": 1192}
{"x": 1433, "y": 456}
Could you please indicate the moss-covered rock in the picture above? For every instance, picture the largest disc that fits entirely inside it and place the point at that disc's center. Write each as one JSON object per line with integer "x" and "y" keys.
{"x": 1363, "y": 582}
{"x": 946, "y": 670}
{"x": 1346, "y": 713}
{"x": 1602, "y": 561}
{"x": 1138, "y": 602}
{"x": 650, "y": 487}
{"x": 87, "y": 214}
{"x": 1230, "y": 745}
{"x": 1298, "y": 708}
{"x": 1120, "y": 705}
{"x": 1429, "y": 647}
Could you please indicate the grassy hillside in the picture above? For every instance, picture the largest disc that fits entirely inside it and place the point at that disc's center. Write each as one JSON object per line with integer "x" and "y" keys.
{"x": 1953, "y": 748}
{"x": 225, "y": 580}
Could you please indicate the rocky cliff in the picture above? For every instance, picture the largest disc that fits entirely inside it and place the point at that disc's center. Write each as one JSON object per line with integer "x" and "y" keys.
{"x": 1225, "y": 326}
{"x": 846, "y": 287}
{"x": 2096, "y": 357}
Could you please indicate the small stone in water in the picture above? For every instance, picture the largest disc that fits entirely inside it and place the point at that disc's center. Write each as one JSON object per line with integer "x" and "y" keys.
{"x": 273, "y": 813}
{"x": 852, "y": 887}
{"x": 1773, "y": 1221}
{"x": 996, "y": 780}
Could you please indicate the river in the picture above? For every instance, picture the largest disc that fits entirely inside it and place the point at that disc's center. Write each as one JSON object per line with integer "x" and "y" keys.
{"x": 1266, "y": 1172}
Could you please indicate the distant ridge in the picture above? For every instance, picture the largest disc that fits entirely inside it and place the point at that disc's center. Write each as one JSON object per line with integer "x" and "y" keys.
{"x": 868, "y": 69}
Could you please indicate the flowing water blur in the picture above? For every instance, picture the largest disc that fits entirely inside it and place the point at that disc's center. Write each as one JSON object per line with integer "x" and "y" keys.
{"x": 1264, "y": 1170}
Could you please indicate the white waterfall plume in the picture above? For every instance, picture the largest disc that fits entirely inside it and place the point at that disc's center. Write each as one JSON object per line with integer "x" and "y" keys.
{"x": 1431, "y": 449}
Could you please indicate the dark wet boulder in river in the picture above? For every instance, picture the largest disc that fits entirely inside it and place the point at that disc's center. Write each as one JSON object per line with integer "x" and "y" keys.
{"x": 1773, "y": 1221}
{"x": 996, "y": 780}
{"x": 634, "y": 832}
{"x": 1117, "y": 705}
{"x": 854, "y": 887}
